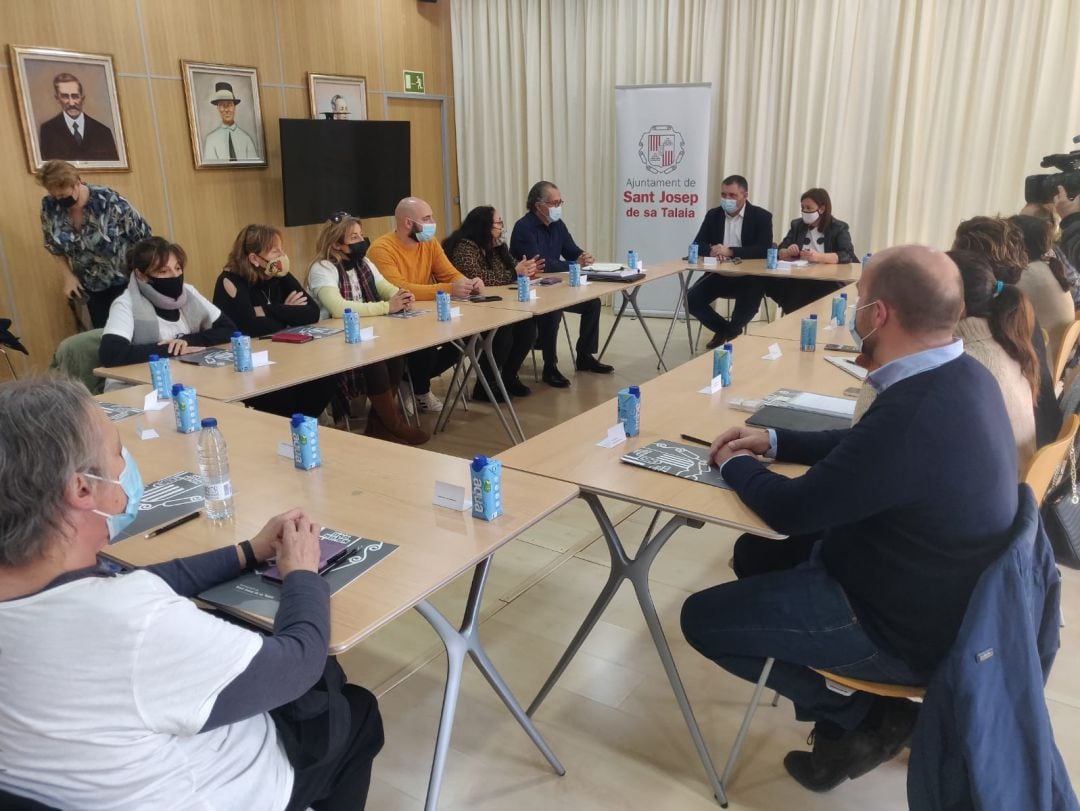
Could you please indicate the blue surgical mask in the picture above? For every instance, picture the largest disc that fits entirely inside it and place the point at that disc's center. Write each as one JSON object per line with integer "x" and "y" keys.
{"x": 854, "y": 330}
{"x": 555, "y": 213}
{"x": 131, "y": 482}
{"x": 426, "y": 232}
{"x": 729, "y": 205}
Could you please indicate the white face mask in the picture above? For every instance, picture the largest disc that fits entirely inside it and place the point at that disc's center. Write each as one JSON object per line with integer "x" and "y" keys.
{"x": 810, "y": 217}
{"x": 857, "y": 339}
{"x": 555, "y": 213}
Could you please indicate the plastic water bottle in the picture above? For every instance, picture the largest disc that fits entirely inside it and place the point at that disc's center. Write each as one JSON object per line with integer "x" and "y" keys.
{"x": 352, "y": 326}
{"x": 808, "y": 334}
{"x": 731, "y": 354}
{"x": 523, "y": 288}
{"x": 692, "y": 253}
{"x": 631, "y": 260}
{"x": 161, "y": 376}
{"x": 574, "y": 269}
{"x": 839, "y": 308}
{"x": 442, "y": 306}
{"x": 865, "y": 259}
{"x": 771, "y": 257}
{"x": 214, "y": 469}
{"x": 629, "y": 410}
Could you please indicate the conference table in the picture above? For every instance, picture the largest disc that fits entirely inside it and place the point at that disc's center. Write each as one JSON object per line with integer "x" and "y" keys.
{"x": 472, "y": 332}
{"x": 789, "y": 328}
{"x": 368, "y": 488}
{"x": 671, "y": 405}
{"x": 821, "y": 272}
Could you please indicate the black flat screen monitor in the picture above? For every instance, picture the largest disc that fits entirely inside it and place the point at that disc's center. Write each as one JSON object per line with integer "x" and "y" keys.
{"x": 361, "y": 167}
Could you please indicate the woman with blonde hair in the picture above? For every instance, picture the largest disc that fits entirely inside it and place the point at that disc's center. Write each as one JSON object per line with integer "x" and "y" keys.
{"x": 340, "y": 277}
{"x": 257, "y": 291}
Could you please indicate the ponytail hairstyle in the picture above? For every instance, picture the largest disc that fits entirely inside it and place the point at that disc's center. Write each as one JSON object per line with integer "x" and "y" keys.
{"x": 1012, "y": 321}
{"x": 1039, "y": 245}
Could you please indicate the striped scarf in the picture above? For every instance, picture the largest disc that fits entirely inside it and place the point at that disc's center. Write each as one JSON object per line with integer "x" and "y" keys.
{"x": 364, "y": 290}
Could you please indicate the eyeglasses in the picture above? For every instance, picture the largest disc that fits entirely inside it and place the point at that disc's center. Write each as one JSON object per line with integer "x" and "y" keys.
{"x": 553, "y": 203}
{"x": 337, "y": 217}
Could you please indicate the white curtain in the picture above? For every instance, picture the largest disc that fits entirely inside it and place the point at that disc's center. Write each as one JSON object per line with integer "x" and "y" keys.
{"x": 914, "y": 114}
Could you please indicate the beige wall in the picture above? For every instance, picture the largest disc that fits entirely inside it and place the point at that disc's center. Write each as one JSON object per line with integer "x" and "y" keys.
{"x": 203, "y": 210}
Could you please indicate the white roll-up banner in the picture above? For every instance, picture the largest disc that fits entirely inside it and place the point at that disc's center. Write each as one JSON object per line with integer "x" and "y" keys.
{"x": 662, "y": 143}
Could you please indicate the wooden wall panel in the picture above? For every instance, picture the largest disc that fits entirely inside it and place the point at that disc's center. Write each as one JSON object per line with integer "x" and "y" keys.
{"x": 425, "y": 118}
{"x": 203, "y": 210}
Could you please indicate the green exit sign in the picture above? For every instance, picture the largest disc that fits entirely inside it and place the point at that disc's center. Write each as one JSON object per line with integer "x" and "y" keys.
{"x": 414, "y": 81}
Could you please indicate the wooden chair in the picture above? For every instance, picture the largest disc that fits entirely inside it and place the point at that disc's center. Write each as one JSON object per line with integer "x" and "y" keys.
{"x": 838, "y": 684}
{"x": 1048, "y": 459}
{"x": 1068, "y": 345}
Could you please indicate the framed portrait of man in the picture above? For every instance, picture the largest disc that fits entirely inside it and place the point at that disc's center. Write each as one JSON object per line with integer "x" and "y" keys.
{"x": 340, "y": 98}
{"x": 224, "y": 115}
{"x": 68, "y": 107}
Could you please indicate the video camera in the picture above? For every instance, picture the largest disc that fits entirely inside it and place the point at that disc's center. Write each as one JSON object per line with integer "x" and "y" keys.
{"x": 1043, "y": 188}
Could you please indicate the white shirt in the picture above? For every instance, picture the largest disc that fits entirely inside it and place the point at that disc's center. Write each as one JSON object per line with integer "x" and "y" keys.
{"x": 814, "y": 236}
{"x": 122, "y": 321}
{"x": 105, "y": 683}
{"x": 324, "y": 274}
{"x": 71, "y": 122}
{"x": 217, "y": 145}
{"x": 733, "y": 228}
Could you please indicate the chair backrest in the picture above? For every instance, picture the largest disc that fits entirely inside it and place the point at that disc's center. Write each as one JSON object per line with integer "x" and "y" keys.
{"x": 1047, "y": 460}
{"x": 1065, "y": 351}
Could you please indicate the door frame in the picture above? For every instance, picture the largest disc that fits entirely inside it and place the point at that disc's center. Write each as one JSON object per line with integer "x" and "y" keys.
{"x": 445, "y": 138}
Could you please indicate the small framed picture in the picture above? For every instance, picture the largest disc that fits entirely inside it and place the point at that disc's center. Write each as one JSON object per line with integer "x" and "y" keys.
{"x": 224, "y": 115}
{"x": 343, "y": 98}
{"x": 69, "y": 108}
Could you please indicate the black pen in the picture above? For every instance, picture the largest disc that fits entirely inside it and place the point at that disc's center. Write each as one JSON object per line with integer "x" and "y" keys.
{"x": 698, "y": 440}
{"x": 173, "y": 525}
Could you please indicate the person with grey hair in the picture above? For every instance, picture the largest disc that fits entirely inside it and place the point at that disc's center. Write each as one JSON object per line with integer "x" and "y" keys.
{"x": 542, "y": 233}
{"x": 119, "y": 693}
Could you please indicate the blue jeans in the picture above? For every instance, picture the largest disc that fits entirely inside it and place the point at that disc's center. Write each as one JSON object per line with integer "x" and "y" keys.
{"x": 802, "y": 618}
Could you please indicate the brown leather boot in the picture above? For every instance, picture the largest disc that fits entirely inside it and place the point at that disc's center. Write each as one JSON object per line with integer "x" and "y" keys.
{"x": 385, "y": 421}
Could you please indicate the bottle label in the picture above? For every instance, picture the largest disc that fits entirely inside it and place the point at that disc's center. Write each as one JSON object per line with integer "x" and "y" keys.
{"x": 219, "y": 491}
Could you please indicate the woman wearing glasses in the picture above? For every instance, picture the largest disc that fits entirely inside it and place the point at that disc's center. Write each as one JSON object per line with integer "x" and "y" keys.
{"x": 343, "y": 277}
{"x": 478, "y": 251}
{"x": 816, "y": 237}
{"x": 257, "y": 291}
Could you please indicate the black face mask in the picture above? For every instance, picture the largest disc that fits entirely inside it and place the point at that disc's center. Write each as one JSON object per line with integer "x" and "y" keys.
{"x": 172, "y": 287}
{"x": 65, "y": 202}
{"x": 358, "y": 250}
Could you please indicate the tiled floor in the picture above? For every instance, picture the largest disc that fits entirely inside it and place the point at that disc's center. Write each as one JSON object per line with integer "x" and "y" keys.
{"x": 612, "y": 719}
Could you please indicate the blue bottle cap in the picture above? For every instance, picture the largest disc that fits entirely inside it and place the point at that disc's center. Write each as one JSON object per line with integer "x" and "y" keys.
{"x": 843, "y": 296}
{"x": 813, "y": 316}
{"x": 297, "y": 420}
{"x": 238, "y": 334}
{"x": 154, "y": 357}
{"x": 177, "y": 388}
{"x": 479, "y": 463}
{"x": 209, "y": 422}
{"x": 729, "y": 348}
{"x": 348, "y": 309}
{"x": 636, "y": 391}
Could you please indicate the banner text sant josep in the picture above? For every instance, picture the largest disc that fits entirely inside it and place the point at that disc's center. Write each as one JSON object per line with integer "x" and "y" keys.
{"x": 665, "y": 202}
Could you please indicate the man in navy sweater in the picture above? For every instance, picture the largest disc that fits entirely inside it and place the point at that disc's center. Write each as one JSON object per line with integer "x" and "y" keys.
{"x": 905, "y": 510}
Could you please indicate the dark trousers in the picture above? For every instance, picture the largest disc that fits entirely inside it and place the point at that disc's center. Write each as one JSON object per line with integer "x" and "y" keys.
{"x": 746, "y": 290}
{"x": 428, "y": 363}
{"x": 99, "y": 302}
{"x": 791, "y": 294}
{"x": 588, "y": 342}
{"x": 511, "y": 345}
{"x": 802, "y": 618}
{"x": 341, "y": 783}
{"x": 309, "y": 399}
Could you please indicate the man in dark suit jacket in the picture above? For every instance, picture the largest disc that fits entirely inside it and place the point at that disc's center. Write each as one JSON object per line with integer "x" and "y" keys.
{"x": 72, "y": 135}
{"x": 889, "y": 529}
{"x": 736, "y": 228}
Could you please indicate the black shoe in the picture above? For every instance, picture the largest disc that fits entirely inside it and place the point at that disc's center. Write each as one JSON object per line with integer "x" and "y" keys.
{"x": 718, "y": 339}
{"x": 478, "y": 393}
{"x": 515, "y": 388}
{"x": 553, "y": 377}
{"x": 587, "y": 363}
{"x": 855, "y": 753}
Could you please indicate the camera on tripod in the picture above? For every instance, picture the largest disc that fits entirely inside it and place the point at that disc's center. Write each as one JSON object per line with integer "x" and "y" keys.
{"x": 1043, "y": 188}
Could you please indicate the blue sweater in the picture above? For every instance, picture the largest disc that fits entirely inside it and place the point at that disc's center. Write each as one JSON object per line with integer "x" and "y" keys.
{"x": 913, "y": 502}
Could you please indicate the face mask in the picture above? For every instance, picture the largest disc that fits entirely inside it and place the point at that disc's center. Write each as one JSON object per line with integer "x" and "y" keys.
{"x": 358, "y": 250}
{"x": 131, "y": 481}
{"x": 555, "y": 213}
{"x": 854, "y": 330}
{"x": 172, "y": 287}
{"x": 729, "y": 206}
{"x": 810, "y": 217}
{"x": 425, "y": 232}
{"x": 65, "y": 202}
{"x": 276, "y": 267}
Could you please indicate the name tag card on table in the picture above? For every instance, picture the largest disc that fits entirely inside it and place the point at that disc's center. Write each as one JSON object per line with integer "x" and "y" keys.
{"x": 715, "y": 385}
{"x": 616, "y": 435}
{"x": 452, "y": 496}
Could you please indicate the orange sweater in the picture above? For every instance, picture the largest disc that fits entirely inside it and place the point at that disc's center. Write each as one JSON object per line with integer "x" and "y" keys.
{"x": 422, "y": 269}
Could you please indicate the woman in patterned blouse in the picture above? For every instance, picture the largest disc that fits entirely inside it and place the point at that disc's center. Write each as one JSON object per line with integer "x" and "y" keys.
{"x": 478, "y": 251}
{"x": 89, "y": 230}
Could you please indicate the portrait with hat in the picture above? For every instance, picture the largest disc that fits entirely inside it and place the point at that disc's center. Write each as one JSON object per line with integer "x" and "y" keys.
{"x": 224, "y": 115}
